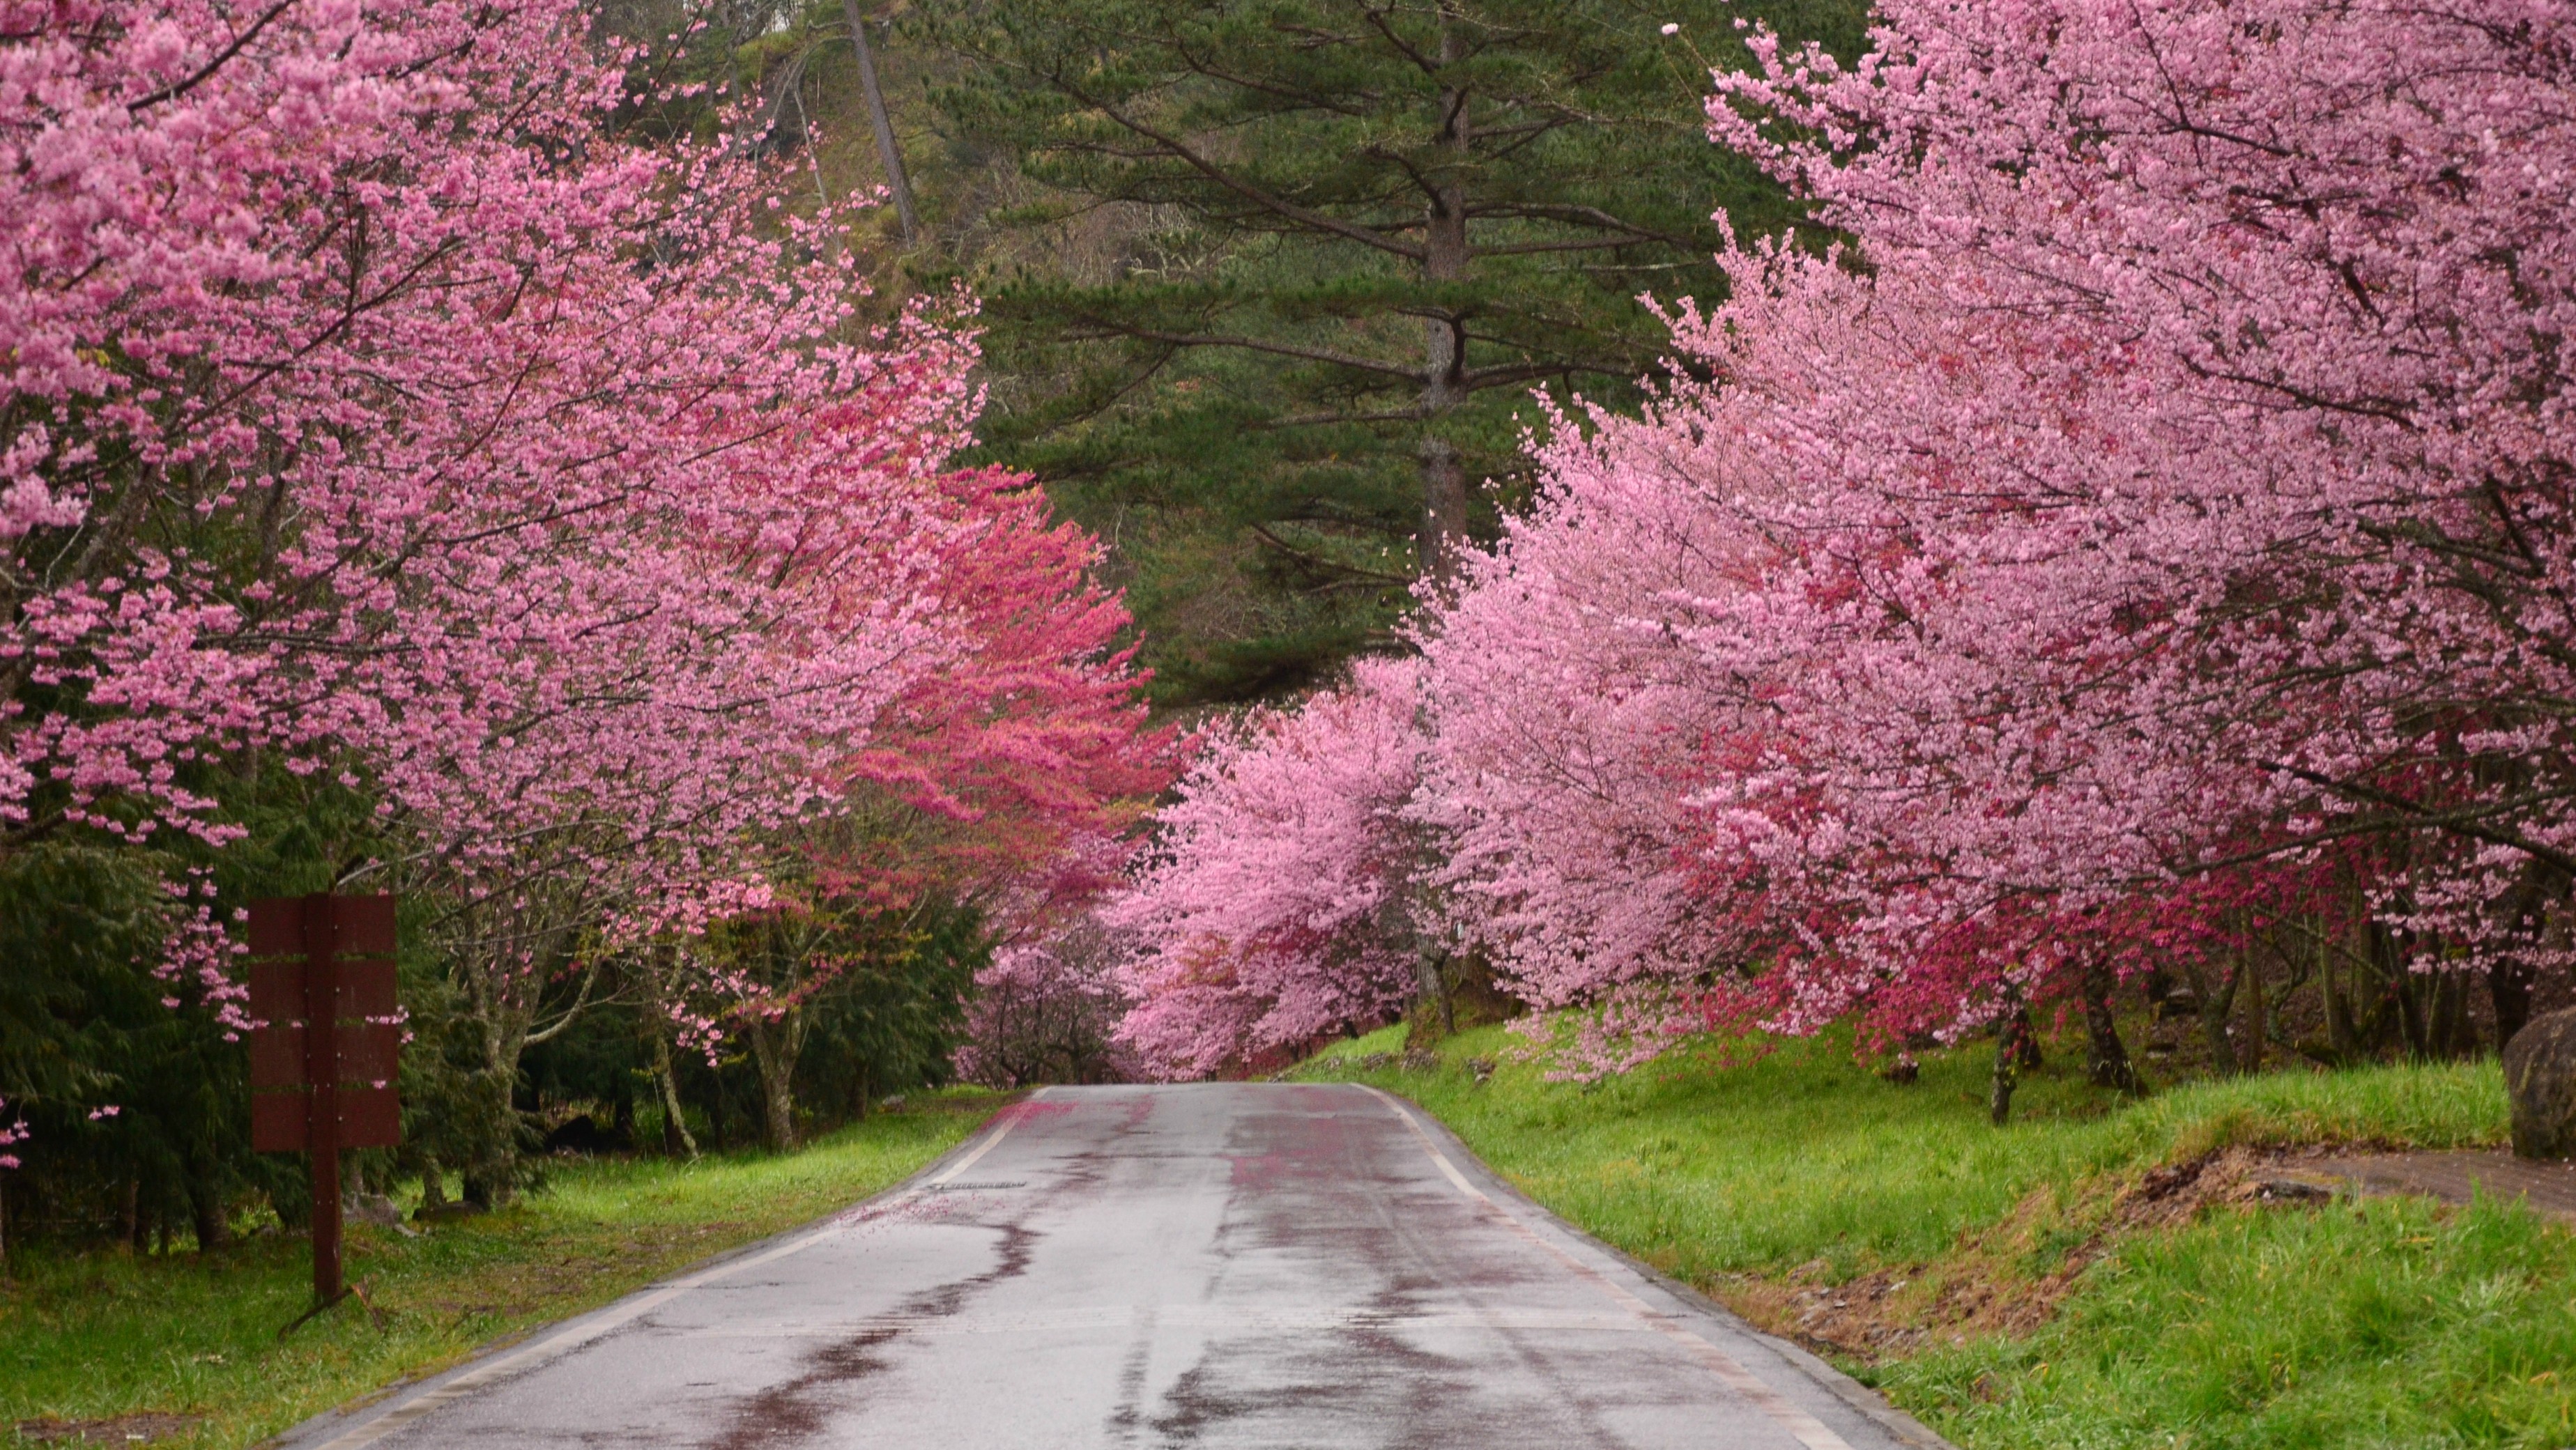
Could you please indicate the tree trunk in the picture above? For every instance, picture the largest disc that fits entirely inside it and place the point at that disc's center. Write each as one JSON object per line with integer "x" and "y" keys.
{"x": 2276, "y": 1017}
{"x": 2342, "y": 1038}
{"x": 2509, "y": 989}
{"x": 491, "y": 1173}
{"x": 2510, "y": 981}
{"x": 778, "y": 1110}
{"x": 2455, "y": 1036}
{"x": 2249, "y": 1048}
{"x": 719, "y": 1112}
{"x": 883, "y": 124}
{"x": 502, "y": 1006}
{"x": 675, "y": 1123}
{"x": 773, "y": 1051}
{"x": 2106, "y": 1062}
{"x": 1444, "y": 363}
{"x": 2402, "y": 987}
{"x": 1431, "y": 997}
{"x": 2215, "y": 1008}
{"x": 206, "y": 1206}
{"x": 1999, "y": 1093}
{"x": 485, "y": 1179}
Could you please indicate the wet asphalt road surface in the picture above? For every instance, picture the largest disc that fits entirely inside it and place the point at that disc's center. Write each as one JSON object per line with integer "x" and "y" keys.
{"x": 1299, "y": 1266}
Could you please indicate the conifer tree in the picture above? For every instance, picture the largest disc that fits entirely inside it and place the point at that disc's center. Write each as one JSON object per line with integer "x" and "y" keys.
{"x": 1359, "y": 233}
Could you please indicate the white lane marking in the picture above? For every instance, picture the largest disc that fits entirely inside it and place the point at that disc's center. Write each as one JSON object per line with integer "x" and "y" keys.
{"x": 987, "y": 1146}
{"x": 619, "y": 1317}
{"x": 491, "y": 1370}
{"x": 1811, "y": 1432}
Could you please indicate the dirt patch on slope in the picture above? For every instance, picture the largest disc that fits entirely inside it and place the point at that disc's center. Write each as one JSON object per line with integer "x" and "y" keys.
{"x": 2009, "y": 1278}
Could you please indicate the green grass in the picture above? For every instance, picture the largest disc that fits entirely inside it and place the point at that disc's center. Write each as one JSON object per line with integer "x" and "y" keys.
{"x": 2387, "y": 1323}
{"x": 2393, "y": 1323}
{"x": 104, "y": 1334}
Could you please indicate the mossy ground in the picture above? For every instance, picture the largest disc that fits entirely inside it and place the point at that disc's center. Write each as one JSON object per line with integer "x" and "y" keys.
{"x": 106, "y": 1335}
{"x": 2046, "y": 1292}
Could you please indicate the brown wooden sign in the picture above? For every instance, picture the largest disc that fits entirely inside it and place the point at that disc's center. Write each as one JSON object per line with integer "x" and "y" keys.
{"x": 326, "y": 1044}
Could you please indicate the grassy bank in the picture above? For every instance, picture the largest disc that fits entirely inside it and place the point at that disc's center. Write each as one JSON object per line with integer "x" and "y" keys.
{"x": 107, "y": 1335}
{"x": 2100, "y": 1273}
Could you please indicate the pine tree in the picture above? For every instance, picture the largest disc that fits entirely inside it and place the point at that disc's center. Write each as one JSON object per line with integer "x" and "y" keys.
{"x": 1357, "y": 234}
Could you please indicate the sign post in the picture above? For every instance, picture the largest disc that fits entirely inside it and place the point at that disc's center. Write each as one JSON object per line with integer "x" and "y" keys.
{"x": 326, "y": 1047}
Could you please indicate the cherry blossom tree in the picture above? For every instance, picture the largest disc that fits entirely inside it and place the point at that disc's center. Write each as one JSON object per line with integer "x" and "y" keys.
{"x": 379, "y": 409}
{"x": 1572, "y": 707}
{"x": 1047, "y": 1010}
{"x": 997, "y": 783}
{"x": 2184, "y": 521}
{"x": 2143, "y": 545}
{"x": 1275, "y": 905}
{"x": 1028, "y": 748}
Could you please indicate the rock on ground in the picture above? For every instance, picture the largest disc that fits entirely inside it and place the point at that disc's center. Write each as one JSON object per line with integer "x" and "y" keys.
{"x": 2540, "y": 1077}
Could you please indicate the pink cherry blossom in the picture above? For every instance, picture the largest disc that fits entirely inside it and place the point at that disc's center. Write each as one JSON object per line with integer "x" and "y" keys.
{"x": 2148, "y": 530}
{"x": 1262, "y": 919}
{"x": 376, "y": 406}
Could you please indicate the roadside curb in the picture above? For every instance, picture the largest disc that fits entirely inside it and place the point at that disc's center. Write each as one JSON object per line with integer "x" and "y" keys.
{"x": 1859, "y": 1398}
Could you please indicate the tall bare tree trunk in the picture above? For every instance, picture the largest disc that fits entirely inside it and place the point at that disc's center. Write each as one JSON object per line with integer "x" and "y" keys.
{"x": 2509, "y": 992}
{"x": 2454, "y": 1035}
{"x": 491, "y": 1177}
{"x": 882, "y": 124}
{"x": 2404, "y": 988}
{"x": 1444, "y": 363}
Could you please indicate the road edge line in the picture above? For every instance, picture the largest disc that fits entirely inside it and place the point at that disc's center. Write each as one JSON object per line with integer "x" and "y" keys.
{"x": 491, "y": 1365}
{"x": 1860, "y": 1398}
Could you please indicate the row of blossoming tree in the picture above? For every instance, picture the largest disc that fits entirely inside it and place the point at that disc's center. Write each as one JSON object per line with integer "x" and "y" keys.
{"x": 412, "y": 478}
{"x": 2140, "y": 552}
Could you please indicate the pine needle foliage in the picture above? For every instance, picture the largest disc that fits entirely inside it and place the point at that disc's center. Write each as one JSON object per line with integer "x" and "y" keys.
{"x": 1359, "y": 235}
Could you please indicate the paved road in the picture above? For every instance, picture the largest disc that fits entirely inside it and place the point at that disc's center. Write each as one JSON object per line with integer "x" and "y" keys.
{"x": 1220, "y": 1265}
